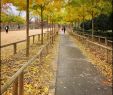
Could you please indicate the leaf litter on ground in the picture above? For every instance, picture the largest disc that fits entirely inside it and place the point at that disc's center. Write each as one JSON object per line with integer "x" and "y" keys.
{"x": 104, "y": 68}
{"x": 37, "y": 77}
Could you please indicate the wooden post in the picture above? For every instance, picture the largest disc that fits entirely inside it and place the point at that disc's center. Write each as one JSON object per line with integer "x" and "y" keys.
{"x": 41, "y": 24}
{"x": 50, "y": 39}
{"x": 15, "y": 87}
{"x": 106, "y": 41}
{"x": 0, "y": 45}
{"x": 27, "y": 28}
{"x": 47, "y": 35}
{"x": 21, "y": 84}
{"x": 29, "y": 40}
{"x": 38, "y": 37}
{"x": 40, "y": 57}
{"x": 47, "y": 49}
{"x": 44, "y": 34}
{"x": 47, "y": 24}
{"x": 52, "y": 32}
{"x": 33, "y": 39}
{"x": 106, "y": 50}
{"x": 99, "y": 39}
{"x": 15, "y": 48}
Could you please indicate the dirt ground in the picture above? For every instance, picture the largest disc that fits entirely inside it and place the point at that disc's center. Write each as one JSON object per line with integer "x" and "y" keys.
{"x": 13, "y": 36}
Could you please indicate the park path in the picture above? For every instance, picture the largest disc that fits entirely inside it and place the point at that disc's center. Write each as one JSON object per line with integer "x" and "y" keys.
{"x": 75, "y": 74}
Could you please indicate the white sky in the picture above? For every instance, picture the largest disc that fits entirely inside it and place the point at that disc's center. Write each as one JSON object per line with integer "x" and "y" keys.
{"x": 13, "y": 10}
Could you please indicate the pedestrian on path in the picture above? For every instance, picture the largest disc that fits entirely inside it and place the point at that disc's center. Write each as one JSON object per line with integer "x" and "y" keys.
{"x": 64, "y": 29}
{"x": 7, "y": 28}
{"x": 18, "y": 26}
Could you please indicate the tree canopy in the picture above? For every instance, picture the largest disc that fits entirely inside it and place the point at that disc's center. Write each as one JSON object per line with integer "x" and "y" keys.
{"x": 64, "y": 11}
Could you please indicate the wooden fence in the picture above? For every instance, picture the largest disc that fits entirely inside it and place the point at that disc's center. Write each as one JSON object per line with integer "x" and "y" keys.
{"x": 33, "y": 37}
{"x": 16, "y": 81}
{"x": 102, "y": 52}
{"x": 99, "y": 39}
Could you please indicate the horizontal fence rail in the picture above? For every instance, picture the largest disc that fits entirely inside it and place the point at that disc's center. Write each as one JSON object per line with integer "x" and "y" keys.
{"x": 18, "y": 77}
{"x": 20, "y": 41}
{"x": 99, "y": 39}
{"x": 103, "y": 52}
{"x": 14, "y": 44}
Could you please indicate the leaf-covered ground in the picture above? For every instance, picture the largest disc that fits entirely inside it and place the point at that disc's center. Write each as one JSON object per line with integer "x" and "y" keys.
{"x": 11, "y": 63}
{"x": 37, "y": 76}
{"x": 104, "y": 68}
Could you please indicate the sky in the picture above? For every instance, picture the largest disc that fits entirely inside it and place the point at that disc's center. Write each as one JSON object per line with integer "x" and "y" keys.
{"x": 13, "y": 10}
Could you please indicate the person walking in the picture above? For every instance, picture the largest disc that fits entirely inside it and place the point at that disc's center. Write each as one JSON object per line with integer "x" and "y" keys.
{"x": 18, "y": 26}
{"x": 64, "y": 29}
{"x": 7, "y": 28}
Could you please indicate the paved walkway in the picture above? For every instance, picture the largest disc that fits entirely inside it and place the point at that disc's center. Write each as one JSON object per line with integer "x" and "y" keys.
{"x": 75, "y": 75}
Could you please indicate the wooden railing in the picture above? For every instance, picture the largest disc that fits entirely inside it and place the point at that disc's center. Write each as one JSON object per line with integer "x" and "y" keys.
{"x": 103, "y": 52}
{"x": 14, "y": 44}
{"x": 18, "y": 77}
{"x": 99, "y": 39}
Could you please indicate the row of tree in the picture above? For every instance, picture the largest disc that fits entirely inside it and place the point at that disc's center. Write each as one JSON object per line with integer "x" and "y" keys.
{"x": 63, "y": 11}
{"x": 102, "y": 22}
{"x": 90, "y": 11}
{"x": 48, "y": 10}
{"x": 12, "y": 19}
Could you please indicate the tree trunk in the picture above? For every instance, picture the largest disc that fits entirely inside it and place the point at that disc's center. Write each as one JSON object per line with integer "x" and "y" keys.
{"x": 41, "y": 25}
{"x": 0, "y": 45}
{"x": 52, "y": 32}
{"x": 27, "y": 28}
{"x": 92, "y": 20}
{"x": 83, "y": 18}
{"x": 83, "y": 24}
{"x": 47, "y": 24}
{"x": 92, "y": 25}
{"x": 78, "y": 24}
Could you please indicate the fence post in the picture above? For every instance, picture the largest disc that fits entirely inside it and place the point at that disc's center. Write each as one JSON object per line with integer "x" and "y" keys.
{"x": 99, "y": 39}
{"x": 15, "y": 87}
{"x": 47, "y": 35}
{"x": 47, "y": 49}
{"x": 54, "y": 36}
{"x": 29, "y": 40}
{"x": 50, "y": 39}
{"x": 38, "y": 37}
{"x": 15, "y": 48}
{"x": 33, "y": 39}
{"x": 106, "y": 41}
{"x": 106, "y": 50}
{"x": 40, "y": 57}
{"x": 21, "y": 84}
{"x": 44, "y": 34}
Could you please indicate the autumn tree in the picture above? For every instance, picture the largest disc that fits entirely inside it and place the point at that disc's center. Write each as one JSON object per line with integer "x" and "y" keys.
{"x": 40, "y": 6}
{"x": 22, "y": 5}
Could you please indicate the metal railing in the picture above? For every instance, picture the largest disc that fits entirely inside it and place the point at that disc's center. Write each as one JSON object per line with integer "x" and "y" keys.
{"x": 18, "y": 77}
